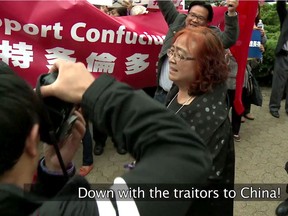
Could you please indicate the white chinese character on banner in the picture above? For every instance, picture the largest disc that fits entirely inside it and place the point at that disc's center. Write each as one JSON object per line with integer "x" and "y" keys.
{"x": 58, "y": 53}
{"x": 21, "y": 54}
{"x": 101, "y": 63}
{"x": 136, "y": 63}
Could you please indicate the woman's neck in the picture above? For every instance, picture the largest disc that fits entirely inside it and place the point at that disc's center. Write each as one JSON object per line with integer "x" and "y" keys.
{"x": 183, "y": 96}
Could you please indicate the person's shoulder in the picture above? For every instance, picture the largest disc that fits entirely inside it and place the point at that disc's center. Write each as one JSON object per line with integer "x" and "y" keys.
{"x": 219, "y": 91}
{"x": 181, "y": 16}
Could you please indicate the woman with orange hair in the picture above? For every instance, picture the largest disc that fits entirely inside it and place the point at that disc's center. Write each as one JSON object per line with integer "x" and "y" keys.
{"x": 198, "y": 68}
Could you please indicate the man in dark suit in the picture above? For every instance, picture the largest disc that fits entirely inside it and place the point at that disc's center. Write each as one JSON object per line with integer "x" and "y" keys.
{"x": 280, "y": 74}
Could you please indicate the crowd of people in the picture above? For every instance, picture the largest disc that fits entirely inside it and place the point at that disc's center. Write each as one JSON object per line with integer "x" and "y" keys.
{"x": 184, "y": 135}
{"x": 126, "y": 8}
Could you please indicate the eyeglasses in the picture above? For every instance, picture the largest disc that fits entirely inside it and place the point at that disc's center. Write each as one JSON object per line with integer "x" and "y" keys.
{"x": 177, "y": 56}
{"x": 199, "y": 18}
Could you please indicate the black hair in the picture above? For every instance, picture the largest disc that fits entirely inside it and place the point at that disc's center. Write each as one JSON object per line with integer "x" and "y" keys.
{"x": 205, "y": 5}
{"x": 20, "y": 109}
{"x": 5, "y": 69}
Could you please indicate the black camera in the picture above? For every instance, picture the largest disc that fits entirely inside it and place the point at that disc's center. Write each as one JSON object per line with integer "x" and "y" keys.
{"x": 58, "y": 117}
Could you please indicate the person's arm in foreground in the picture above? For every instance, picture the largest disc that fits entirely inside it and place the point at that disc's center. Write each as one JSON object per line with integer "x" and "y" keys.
{"x": 166, "y": 149}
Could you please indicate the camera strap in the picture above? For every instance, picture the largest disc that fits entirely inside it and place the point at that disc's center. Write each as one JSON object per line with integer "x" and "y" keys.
{"x": 47, "y": 132}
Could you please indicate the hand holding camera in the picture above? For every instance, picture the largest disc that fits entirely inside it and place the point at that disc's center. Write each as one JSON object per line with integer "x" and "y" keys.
{"x": 63, "y": 126}
{"x": 72, "y": 81}
{"x": 60, "y": 113}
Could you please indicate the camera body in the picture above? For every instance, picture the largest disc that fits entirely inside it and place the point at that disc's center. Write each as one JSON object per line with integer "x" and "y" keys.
{"x": 59, "y": 118}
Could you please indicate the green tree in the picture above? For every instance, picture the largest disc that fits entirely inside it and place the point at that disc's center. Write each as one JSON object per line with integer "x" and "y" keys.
{"x": 272, "y": 29}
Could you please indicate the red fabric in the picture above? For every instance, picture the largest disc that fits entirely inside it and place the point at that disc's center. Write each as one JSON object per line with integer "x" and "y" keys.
{"x": 247, "y": 13}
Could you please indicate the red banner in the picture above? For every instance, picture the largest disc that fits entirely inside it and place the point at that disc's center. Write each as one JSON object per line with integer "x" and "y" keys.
{"x": 35, "y": 33}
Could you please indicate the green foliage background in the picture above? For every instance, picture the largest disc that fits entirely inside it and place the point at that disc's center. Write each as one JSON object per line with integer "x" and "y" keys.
{"x": 272, "y": 29}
